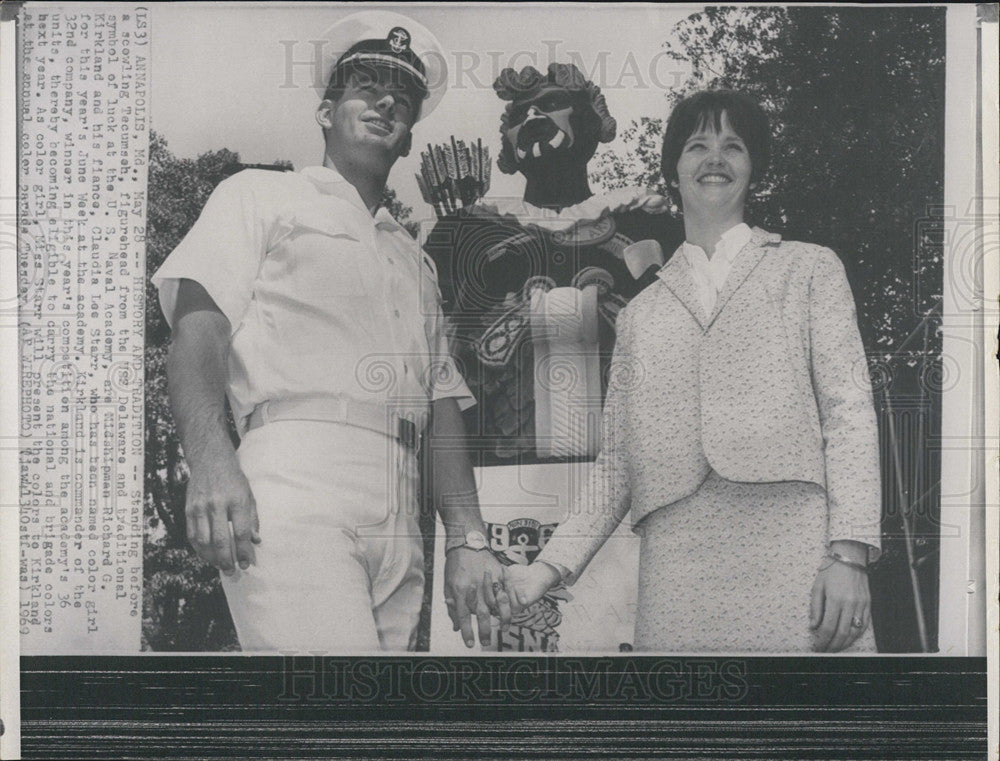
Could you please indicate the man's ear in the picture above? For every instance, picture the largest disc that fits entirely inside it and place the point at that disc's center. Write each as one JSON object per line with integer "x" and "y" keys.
{"x": 323, "y": 114}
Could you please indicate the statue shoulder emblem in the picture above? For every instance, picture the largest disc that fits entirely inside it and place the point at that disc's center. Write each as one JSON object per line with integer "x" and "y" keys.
{"x": 586, "y": 232}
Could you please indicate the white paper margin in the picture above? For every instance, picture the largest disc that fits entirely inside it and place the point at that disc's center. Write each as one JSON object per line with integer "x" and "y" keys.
{"x": 10, "y": 675}
{"x": 989, "y": 78}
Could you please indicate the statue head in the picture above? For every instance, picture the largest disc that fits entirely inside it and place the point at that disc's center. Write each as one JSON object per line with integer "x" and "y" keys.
{"x": 559, "y": 114}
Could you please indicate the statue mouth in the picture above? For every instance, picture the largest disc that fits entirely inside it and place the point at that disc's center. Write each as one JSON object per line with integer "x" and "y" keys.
{"x": 537, "y": 146}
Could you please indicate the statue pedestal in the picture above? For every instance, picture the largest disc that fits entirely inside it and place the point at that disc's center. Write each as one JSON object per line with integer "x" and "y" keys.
{"x": 567, "y": 372}
{"x": 521, "y": 505}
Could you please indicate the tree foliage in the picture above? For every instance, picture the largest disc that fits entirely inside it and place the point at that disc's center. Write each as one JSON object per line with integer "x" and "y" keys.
{"x": 855, "y": 96}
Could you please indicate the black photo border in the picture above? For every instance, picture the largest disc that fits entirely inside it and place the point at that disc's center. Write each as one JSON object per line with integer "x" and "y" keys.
{"x": 314, "y": 706}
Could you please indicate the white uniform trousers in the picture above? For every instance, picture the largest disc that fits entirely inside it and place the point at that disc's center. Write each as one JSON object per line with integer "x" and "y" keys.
{"x": 340, "y": 564}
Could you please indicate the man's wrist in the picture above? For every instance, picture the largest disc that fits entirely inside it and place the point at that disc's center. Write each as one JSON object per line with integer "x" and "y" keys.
{"x": 470, "y": 538}
{"x": 211, "y": 444}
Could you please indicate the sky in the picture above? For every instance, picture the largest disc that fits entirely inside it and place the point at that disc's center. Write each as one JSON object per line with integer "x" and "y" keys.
{"x": 240, "y": 77}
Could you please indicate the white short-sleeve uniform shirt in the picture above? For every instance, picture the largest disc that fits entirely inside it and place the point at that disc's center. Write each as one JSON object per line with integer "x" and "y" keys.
{"x": 322, "y": 297}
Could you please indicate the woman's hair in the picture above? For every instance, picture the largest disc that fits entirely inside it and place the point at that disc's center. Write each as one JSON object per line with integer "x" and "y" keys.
{"x": 704, "y": 108}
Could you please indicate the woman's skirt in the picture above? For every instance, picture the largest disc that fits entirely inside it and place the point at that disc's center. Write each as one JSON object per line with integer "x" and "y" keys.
{"x": 730, "y": 568}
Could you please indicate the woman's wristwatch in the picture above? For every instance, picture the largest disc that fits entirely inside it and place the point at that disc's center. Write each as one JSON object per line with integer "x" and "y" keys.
{"x": 836, "y": 556}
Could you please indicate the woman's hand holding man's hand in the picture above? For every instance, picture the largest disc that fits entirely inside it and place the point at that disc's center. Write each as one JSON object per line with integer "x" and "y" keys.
{"x": 528, "y": 583}
{"x": 522, "y": 585}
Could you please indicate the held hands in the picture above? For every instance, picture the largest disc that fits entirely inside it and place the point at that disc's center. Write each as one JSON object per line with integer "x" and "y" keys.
{"x": 476, "y": 583}
{"x": 218, "y": 493}
{"x": 840, "y": 608}
{"x": 469, "y": 579}
{"x": 526, "y": 584}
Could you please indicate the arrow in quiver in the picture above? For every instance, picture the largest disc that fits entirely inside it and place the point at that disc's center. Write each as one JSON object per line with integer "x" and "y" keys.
{"x": 454, "y": 175}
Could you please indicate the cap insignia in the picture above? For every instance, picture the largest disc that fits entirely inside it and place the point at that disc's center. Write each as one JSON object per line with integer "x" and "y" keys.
{"x": 398, "y": 39}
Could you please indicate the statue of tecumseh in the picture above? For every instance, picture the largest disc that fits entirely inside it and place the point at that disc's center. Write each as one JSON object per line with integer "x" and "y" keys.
{"x": 533, "y": 285}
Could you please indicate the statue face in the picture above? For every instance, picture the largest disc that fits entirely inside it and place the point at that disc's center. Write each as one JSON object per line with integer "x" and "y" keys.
{"x": 541, "y": 125}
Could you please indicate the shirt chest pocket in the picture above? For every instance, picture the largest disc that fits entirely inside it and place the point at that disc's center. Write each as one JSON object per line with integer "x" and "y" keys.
{"x": 322, "y": 258}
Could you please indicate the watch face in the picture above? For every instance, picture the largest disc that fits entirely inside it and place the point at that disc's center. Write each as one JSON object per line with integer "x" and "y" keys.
{"x": 475, "y": 540}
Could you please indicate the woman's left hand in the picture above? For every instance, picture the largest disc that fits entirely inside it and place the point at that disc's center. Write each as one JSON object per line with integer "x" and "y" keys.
{"x": 840, "y": 608}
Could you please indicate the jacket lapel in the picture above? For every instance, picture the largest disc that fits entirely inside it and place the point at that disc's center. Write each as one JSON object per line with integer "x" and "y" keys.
{"x": 746, "y": 262}
{"x": 677, "y": 277}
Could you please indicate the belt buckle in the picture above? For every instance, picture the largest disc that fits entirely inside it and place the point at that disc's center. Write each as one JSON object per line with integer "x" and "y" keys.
{"x": 407, "y": 433}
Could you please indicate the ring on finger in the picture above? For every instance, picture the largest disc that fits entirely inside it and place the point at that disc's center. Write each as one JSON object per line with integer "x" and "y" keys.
{"x": 857, "y": 622}
{"x": 498, "y": 587}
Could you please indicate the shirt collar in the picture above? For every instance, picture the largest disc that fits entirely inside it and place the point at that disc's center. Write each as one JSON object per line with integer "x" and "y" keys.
{"x": 730, "y": 244}
{"x": 384, "y": 219}
{"x": 331, "y": 181}
{"x": 322, "y": 175}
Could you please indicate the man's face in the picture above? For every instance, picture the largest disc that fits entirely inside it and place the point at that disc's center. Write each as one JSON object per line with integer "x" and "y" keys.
{"x": 541, "y": 125}
{"x": 373, "y": 115}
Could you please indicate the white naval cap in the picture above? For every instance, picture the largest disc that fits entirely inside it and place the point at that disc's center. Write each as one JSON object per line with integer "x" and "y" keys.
{"x": 384, "y": 38}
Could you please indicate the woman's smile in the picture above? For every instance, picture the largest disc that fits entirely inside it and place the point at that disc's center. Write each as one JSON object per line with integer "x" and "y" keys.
{"x": 714, "y": 178}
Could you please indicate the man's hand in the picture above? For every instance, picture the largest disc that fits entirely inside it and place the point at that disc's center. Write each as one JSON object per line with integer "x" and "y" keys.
{"x": 526, "y": 584}
{"x": 840, "y": 600}
{"x": 469, "y": 576}
{"x": 469, "y": 573}
{"x": 218, "y": 493}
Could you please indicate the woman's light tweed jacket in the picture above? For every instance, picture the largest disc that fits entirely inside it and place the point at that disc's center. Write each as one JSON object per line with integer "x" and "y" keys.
{"x": 773, "y": 386}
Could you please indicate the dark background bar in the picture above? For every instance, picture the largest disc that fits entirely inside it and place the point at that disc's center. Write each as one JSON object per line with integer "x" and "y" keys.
{"x": 496, "y": 708}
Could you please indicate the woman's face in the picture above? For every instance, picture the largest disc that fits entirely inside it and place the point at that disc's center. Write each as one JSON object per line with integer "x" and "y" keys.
{"x": 713, "y": 171}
